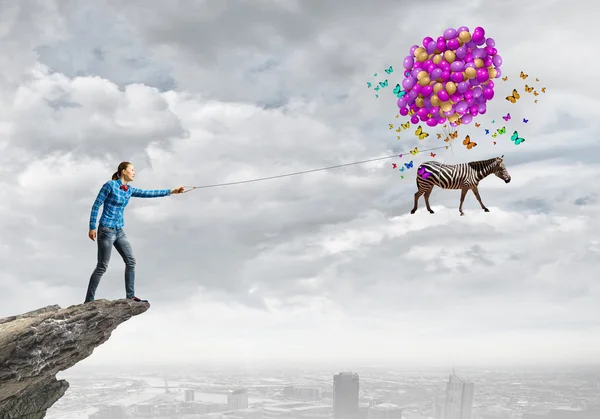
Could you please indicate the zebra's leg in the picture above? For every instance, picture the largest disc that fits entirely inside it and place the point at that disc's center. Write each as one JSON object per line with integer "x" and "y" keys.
{"x": 417, "y": 196}
{"x": 463, "y": 193}
{"x": 427, "y": 194}
{"x": 476, "y": 192}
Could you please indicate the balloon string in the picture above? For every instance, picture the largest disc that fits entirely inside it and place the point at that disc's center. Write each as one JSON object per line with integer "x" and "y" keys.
{"x": 298, "y": 173}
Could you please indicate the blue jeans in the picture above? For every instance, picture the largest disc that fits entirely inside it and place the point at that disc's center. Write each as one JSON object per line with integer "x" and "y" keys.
{"x": 107, "y": 238}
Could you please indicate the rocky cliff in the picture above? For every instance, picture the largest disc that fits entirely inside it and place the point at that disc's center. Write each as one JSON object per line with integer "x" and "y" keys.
{"x": 35, "y": 346}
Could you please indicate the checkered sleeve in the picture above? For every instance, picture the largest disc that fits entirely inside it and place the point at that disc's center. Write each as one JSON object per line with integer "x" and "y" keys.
{"x": 150, "y": 193}
{"x": 102, "y": 195}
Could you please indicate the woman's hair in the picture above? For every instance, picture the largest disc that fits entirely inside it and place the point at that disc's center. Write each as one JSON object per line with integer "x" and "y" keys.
{"x": 122, "y": 166}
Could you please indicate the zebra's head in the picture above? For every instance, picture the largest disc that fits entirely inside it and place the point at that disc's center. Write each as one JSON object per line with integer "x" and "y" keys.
{"x": 501, "y": 171}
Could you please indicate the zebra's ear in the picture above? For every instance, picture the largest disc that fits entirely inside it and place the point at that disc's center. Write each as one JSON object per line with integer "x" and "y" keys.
{"x": 502, "y": 157}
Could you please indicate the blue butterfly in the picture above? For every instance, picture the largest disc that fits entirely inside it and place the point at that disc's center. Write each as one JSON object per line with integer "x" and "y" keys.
{"x": 389, "y": 70}
{"x": 383, "y": 83}
{"x": 409, "y": 165}
{"x": 398, "y": 91}
{"x": 487, "y": 131}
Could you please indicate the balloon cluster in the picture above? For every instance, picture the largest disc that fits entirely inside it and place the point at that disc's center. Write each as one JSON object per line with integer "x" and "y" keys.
{"x": 450, "y": 78}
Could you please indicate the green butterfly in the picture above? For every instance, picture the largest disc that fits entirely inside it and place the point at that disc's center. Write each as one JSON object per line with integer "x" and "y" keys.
{"x": 502, "y": 130}
{"x": 369, "y": 84}
{"x": 398, "y": 91}
{"x": 389, "y": 70}
{"x": 383, "y": 83}
{"x": 515, "y": 137}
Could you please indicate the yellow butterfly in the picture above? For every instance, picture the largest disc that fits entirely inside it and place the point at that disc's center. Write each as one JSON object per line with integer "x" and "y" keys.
{"x": 505, "y": 78}
{"x": 398, "y": 137}
{"x": 414, "y": 151}
{"x": 406, "y": 126}
{"x": 543, "y": 90}
{"x": 454, "y": 135}
{"x": 537, "y": 80}
{"x": 470, "y": 144}
{"x": 397, "y": 116}
{"x": 528, "y": 89}
{"x": 420, "y": 133}
{"x": 399, "y": 129}
{"x": 523, "y": 75}
{"x": 536, "y": 94}
{"x": 439, "y": 136}
{"x": 391, "y": 126}
{"x": 477, "y": 124}
{"x": 411, "y": 112}
{"x": 447, "y": 139}
{"x": 514, "y": 97}
{"x": 535, "y": 101}
{"x": 494, "y": 135}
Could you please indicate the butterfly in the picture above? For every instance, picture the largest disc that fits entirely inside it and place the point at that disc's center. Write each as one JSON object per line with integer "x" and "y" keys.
{"x": 494, "y": 142}
{"x": 528, "y": 89}
{"x": 401, "y": 177}
{"x": 423, "y": 172}
{"x": 494, "y": 135}
{"x": 397, "y": 116}
{"x": 432, "y": 154}
{"x": 493, "y": 121}
{"x": 470, "y": 144}
{"x": 383, "y": 83}
{"x": 487, "y": 131}
{"x": 525, "y": 120}
{"x": 543, "y": 90}
{"x": 523, "y": 75}
{"x": 389, "y": 70}
{"x": 414, "y": 151}
{"x": 477, "y": 124}
{"x": 394, "y": 165}
{"x": 375, "y": 75}
{"x": 409, "y": 165}
{"x": 536, "y": 94}
{"x": 369, "y": 84}
{"x": 507, "y": 117}
{"x": 536, "y": 79}
{"x": 420, "y": 133}
{"x": 453, "y": 135}
{"x": 400, "y": 155}
{"x": 514, "y": 97}
{"x": 399, "y": 129}
{"x": 505, "y": 78}
{"x": 398, "y": 91}
{"x": 502, "y": 130}
{"x": 515, "y": 137}
{"x": 535, "y": 101}
{"x": 376, "y": 96}
{"x": 402, "y": 169}
{"x": 439, "y": 136}
{"x": 447, "y": 147}
{"x": 391, "y": 126}
{"x": 376, "y": 88}
{"x": 411, "y": 112}
{"x": 398, "y": 136}
{"x": 406, "y": 126}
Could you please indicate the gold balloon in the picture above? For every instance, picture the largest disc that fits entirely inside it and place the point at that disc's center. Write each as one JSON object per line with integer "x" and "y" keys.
{"x": 450, "y": 88}
{"x": 478, "y": 62}
{"x": 446, "y": 106}
{"x": 442, "y": 114}
{"x": 422, "y": 74}
{"x": 420, "y": 102}
{"x": 437, "y": 58}
{"x": 422, "y": 57}
{"x": 418, "y": 51}
{"x": 437, "y": 87}
{"x": 450, "y": 56}
{"x": 453, "y": 117}
{"x": 464, "y": 36}
{"x": 471, "y": 73}
{"x": 492, "y": 73}
{"x": 424, "y": 81}
{"x": 435, "y": 101}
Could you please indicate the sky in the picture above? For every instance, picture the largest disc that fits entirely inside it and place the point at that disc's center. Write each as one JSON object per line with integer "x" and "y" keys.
{"x": 324, "y": 266}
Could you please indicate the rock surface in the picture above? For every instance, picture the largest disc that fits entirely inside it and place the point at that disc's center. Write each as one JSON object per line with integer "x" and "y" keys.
{"x": 35, "y": 346}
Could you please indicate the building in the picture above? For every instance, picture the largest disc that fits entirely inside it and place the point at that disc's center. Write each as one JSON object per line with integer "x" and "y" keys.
{"x": 385, "y": 411}
{"x": 237, "y": 399}
{"x": 188, "y": 395}
{"x": 459, "y": 398}
{"x": 302, "y": 393}
{"x": 345, "y": 395}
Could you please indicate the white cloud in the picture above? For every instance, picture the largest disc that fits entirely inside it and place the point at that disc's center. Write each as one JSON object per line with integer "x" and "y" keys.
{"x": 311, "y": 266}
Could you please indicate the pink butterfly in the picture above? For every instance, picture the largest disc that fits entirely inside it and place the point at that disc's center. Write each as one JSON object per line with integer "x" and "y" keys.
{"x": 423, "y": 172}
{"x": 507, "y": 117}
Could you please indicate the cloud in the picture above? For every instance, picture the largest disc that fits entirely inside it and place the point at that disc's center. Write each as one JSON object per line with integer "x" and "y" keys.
{"x": 304, "y": 266}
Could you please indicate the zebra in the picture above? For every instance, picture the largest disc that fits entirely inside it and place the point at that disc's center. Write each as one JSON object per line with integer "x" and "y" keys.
{"x": 464, "y": 176}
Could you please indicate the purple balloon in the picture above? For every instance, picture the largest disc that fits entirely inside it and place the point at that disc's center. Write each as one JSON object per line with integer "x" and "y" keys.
{"x": 436, "y": 74}
{"x": 457, "y": 66}
{"x": 412, "y": 49}
{"x": 477, "y": 91}
{"x": 474, "y": 109}
{"x": 463, "y": 87}
{"x": 474, "y": 82}
{"x": 462, "y": 28}
{"x": 431, "y": 122}
{"x": 427, "y": 104}
{"x": 409, "y": 61}
{"x": 483, "y": 113}
{"x": 450, "y": 112}
{"x": 427, "y": 90}
{"x": 467, "y": 119}
{"x": 491, "y": 84}
{"x": 403, "y": 111}
{"x": 414, "y": 119}
{"x": 488, "y": 61}
{"x": 450, "y": 33}
{"x": 471, "y": 44}
{"x": 443, "y": 95}
{"x": 427, "y": 40}
{"x": 453, "y": 44}
{"x": 409, "y": 82}
{"x": 476, "y": 53}
{"x": 470, "y": 65}
{"x": 456, "y": 97}
{"x": 498, "y": 72}
{"x": 401, "y": 102}
{"x": 497, "y": 60}
{"x": 413, "y": 95}
{"x": 457, "y": 77}
{"x": 445, "y": 76}
{"x": 481, "y": 107}
{"x": 468, "y": 94}
{"x": 431, "y": 47}
{"x": 461, "y": 52}
{"x": 488, "y": 94}
{"x": 490, "y": 42}
{"x": 461, "y": 106}
{"x": 415, "y": 72}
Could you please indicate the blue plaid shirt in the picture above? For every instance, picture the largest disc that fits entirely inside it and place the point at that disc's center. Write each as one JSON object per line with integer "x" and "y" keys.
{"x": 115, "y": 200}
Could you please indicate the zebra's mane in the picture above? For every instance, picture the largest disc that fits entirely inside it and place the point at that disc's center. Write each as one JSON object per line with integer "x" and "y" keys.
{"x": 481, "y": 165}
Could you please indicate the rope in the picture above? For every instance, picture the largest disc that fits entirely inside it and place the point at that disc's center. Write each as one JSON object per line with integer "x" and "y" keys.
{"x": 298, "y": 173}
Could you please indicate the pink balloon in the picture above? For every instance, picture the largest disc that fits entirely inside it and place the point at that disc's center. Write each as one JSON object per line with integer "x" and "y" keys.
{"x": 474, "y": 110}
{"x": 423, "y": 118}
{"x": 443, "y": 95}
{"x": 414, "y": 119}
{"x": 427, "y": 90}
{"x": 422, "y": 112}
{"x": 491, "y": 84}
{"x": 431, "y": 122}
{"x": 456, "y": 97}
{"x": 457, "y": 77}
{"x": 445, "y": 76}
{"x": 441, "y": 46}
{"x": 453, "y": 44}
{"x": 418, "y": 88}
{"x": 403, "y": 111}
{"x": 488, "y": 94}
{"x": 427, "y": 40}
{"x": 482, "y": 75}
{"x": 468, "y": 94}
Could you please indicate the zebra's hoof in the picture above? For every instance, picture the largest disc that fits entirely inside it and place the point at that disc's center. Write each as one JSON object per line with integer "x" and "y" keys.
{"x": 486, "y": 210}
{"x": 413, "y": 211}
{"x": 431, "y": 212}
{"x": 462, "y": 214}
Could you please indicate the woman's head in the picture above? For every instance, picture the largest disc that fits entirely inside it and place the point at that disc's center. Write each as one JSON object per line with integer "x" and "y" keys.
{"x": 126, "y": 170}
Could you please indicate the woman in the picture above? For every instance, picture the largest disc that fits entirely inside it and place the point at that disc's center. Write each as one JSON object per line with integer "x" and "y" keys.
{"x": 115, "y": 196}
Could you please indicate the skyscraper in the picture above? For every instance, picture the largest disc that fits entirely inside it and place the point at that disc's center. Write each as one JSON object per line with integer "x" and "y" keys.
{"x": 459, "y": 398}
{"x": 237, "y": 399}
{"x": 345, "y": 395}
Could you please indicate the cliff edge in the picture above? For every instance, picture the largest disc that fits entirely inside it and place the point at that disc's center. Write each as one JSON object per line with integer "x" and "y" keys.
{"x": 35, "y": 346}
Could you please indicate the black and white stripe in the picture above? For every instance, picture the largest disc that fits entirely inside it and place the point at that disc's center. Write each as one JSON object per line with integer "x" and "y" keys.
{"x": 463, "y": 176}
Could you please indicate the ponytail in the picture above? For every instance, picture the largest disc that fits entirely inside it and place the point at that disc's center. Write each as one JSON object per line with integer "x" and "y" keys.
{"x": 115, "y": 176}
